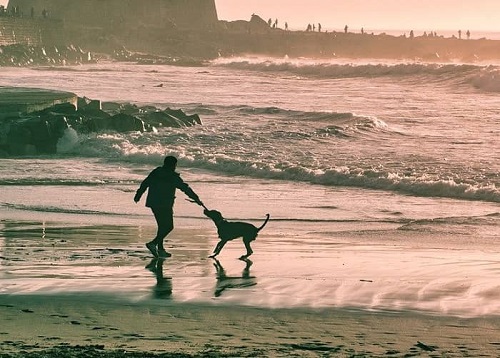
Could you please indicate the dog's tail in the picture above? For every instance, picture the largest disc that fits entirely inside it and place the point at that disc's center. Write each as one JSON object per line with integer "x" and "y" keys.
{"x": 264, "y": 224}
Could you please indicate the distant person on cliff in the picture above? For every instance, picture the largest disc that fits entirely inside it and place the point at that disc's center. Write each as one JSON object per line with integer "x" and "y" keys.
{"x": 468, "y": 34}
{"x": 345, "y": 29}
{"x": 319, "y": 27}
{"x": 459, "y": 34}
{"x": 286, "y": 26}
{"x": 162, "y": 183}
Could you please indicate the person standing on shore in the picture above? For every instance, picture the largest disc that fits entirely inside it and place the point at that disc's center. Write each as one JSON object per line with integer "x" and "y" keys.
{"x": 161, "y": 184}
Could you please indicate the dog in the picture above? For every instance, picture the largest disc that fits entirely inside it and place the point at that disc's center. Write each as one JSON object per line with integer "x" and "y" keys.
{"x": 228, "y": 231}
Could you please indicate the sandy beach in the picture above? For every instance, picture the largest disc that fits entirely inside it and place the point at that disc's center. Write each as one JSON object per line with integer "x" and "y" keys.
{"x": 381, "y": 181}
{"x": 76, "y": 286}
{"x": 80, "y": 326}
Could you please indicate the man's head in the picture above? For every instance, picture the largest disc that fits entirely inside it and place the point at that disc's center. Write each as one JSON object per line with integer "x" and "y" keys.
{"x": 170, "y": 162}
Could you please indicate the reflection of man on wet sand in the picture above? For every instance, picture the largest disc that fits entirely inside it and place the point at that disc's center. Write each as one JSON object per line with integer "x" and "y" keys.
{"x": 226, "y": 282}
{"x": 163, "y": 288}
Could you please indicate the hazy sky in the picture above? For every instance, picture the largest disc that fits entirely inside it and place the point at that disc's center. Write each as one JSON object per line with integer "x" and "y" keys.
{"x": 429, "y": 15}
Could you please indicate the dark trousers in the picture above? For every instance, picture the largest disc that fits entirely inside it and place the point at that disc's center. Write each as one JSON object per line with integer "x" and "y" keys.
{"x": 165, "y": 220}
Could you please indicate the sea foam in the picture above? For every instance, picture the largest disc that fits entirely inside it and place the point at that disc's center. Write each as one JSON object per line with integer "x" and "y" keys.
{"x": 147, "y": 149}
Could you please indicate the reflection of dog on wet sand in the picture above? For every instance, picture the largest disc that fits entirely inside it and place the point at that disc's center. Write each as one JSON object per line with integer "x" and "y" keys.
{"x": 225, "y": 282}
{"x": 230, "y": 230}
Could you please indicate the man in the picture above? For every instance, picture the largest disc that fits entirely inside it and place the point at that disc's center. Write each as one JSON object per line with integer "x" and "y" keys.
{"x": 161, "y": 184}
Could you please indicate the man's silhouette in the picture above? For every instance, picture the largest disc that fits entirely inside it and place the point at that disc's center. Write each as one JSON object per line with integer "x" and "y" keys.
{"x": 161, "y": 184}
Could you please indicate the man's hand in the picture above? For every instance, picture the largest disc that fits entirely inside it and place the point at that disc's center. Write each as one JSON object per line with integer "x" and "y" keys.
{"x": 197, "y": 201}
{"x": 137, "y": 197}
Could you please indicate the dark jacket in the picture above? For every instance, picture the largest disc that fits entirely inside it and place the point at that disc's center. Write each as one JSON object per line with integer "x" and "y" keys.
{"x": 161, "y": 184}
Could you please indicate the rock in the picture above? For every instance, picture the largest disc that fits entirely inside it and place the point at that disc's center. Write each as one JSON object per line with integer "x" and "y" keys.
{"x": 91, "y": 111}
{"x": 95, "y": 105}
{"x": 161, "y": 119}
{"x": 178, "y": 113}
{"x": 183, "y": 118}
{"x": 19, "y": 138}
{"x": 127, "y": 123}
{"x": 97, "y": 124}
{"x": 111, "y": 107}
{"x": 193, "y": 119}
{"x": 82, "y": 102}
{"x": 129, "y": 108}
{"x": 64, "y": 108}
{"x": 39, "y": 132}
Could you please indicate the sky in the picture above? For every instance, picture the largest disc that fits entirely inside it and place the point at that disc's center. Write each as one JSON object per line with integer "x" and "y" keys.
{"x": 427, "y": 15}
{"x": 372, "y": 15}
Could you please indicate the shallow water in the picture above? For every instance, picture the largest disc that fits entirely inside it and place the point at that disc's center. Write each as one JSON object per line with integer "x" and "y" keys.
{"x": 292, "y": 272}
{"x": 359, "y": 253}
{"x": 413, "y": 128}
{"x": 381, "y": 179}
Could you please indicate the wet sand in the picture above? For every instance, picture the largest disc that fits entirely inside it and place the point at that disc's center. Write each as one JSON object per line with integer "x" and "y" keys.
{"x": 81, "y": 289}
{"x": 77, "y": 281}
{"x": 81, "y": 324}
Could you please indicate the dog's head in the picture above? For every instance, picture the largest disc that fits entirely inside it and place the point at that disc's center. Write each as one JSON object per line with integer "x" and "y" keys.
{"x": 215, "y": 215}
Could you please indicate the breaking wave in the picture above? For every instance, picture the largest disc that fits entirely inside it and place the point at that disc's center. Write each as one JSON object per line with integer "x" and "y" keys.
{"x": 485, "y": 78}
{"x": 194, "y": 151}
{"x": 329, "y": 69}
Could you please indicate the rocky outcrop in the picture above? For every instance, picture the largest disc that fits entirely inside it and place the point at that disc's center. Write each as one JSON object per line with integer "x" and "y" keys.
{"x": 27, "y": 55}
{"x": 120, "y": 14}
{"x": 187, "y": 32}
{"x": 39, "y": 132}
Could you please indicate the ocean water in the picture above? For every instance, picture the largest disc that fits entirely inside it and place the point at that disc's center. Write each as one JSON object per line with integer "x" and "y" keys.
{"x": 411, "y": 128}
{"x": 359, "y": 162}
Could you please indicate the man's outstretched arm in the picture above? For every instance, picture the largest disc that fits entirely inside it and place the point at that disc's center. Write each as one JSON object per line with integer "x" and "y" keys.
{"x": 186, "y": 189}
{"x": 142, "y": 188}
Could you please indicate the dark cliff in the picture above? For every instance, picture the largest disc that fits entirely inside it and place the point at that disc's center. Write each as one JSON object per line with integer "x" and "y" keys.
{"x": 107, "y": 23}
{"x": 118, "y": 14}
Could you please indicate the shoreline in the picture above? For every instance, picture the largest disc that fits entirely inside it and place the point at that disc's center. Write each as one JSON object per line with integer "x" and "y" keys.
{"x": 377, "y": 269}
{"x": 432, "y": 255}
{"x": 36, "y": 323}
{"x": 240, "y": 39}
{"x": 76, "y": 282}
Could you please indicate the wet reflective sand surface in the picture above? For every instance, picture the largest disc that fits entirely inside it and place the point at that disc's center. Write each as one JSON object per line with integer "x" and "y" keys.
{"x": 313, "y": 271}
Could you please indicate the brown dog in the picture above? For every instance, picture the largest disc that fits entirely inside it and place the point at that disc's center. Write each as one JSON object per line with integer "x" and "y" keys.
{"x": 228, "y": 231}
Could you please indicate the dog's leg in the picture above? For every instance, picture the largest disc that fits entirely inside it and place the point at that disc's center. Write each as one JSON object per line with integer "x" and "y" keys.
{"x": 218, "y": 248}
{"x": 249, "y": 249}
